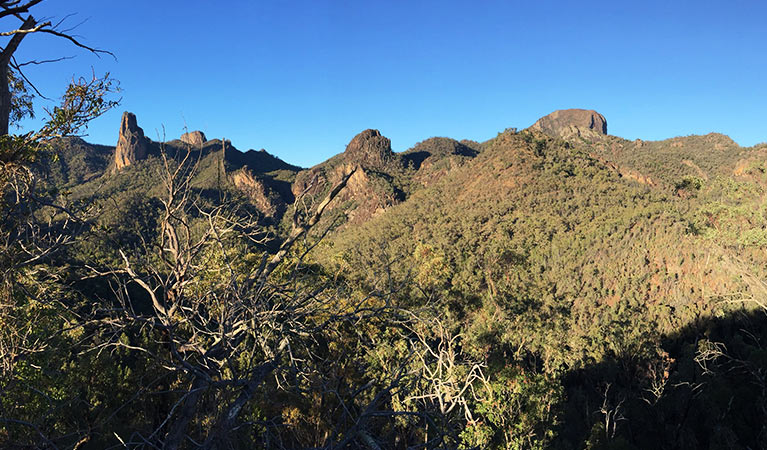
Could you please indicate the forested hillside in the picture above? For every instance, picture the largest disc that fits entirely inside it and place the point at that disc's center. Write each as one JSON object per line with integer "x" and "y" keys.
{"x": 598, "y": 302}
{"x": 555, "y": 287}
{"x": 543, "y": 286}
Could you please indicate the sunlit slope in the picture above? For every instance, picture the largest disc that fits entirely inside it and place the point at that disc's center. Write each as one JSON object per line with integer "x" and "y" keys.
{"x": 549, "y": 231}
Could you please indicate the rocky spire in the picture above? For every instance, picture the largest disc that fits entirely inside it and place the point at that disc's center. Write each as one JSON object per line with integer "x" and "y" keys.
{"x": 132, "y": 146}
{"x": 369, "y": 149}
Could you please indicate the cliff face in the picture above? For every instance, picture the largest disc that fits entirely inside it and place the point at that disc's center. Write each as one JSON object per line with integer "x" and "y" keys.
{"x": 558, "y": 123}
{"x": 194, "y": 138}
{"x": 256, "y": 189}
{"x": 132, "y": 145}
{"x": 375, "y": 186}
{"x": 370, "y": 149}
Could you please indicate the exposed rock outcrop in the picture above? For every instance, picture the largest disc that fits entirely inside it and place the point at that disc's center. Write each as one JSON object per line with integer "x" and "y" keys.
{"x": 370, "y": 149}
{"x": 132, "y": 145}
{"x": 559, "y": 123}
{"x": 370, "y": 190}
{"x": 309, "y": 182}
{"x": 256, "y": 190}
{"x": 698, "y": 171}
{"x": 194, "y": 138}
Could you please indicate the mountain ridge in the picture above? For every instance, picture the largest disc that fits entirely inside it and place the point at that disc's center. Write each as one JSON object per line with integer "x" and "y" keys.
{"x": 388, "y": 178}
{"x": 565, "y": 264}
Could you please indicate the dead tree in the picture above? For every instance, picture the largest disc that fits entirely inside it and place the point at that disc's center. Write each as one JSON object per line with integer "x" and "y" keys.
{"x": 221, "y": 325}
{"x": 20, "y": 12}
{"x": 29, "y": 234}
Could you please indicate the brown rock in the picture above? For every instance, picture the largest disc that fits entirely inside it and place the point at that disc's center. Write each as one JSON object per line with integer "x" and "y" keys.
{"x": 194, "y": 138}
{"x": 559, "y": 122}
{"x": 369, "y": 191}
{"x": 132, "y": 145}
{"x": 309, "y": 182}
{"x": 361, "y": 188}
{"x": 256, "y": 190}
{"x": 369, "y": 149}
{"x": 634, "y": 175}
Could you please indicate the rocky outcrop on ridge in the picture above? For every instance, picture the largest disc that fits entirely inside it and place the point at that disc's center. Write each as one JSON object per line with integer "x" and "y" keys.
{"x": 373, "y": 188}
{"x": 370, "y": 149}
{"x": 194, "y": 138}
{"x": 559, "y": 123}
{"x": 132, "y": 145}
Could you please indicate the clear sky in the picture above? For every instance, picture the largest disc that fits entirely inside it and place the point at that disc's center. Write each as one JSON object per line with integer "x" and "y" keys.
{"x": 301, "y": 78}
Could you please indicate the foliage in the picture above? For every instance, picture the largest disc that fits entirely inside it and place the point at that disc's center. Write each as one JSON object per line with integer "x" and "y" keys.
{"x": 526, "y": 292}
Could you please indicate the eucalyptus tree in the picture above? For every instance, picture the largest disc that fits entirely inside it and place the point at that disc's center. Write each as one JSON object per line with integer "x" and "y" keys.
{"x": 29, "y": 236}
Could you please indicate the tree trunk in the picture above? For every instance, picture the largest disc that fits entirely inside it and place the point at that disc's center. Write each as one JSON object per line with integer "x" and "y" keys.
{"x": 5, "y": 100}
{"x": 219, "y": 435}
{"x": 5, "y": 61}
{"x": 177, "y": 433}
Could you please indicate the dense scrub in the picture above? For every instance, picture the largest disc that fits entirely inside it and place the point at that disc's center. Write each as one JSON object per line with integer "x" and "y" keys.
{"x": 525, "y": 294}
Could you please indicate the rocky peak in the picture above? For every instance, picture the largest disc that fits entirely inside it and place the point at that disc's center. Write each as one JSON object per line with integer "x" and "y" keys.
{"x": 132, "y": 145}
{"x": 559, "y": 123}
{"x": 194, "y": 138}
{"x": 369, "y": 149}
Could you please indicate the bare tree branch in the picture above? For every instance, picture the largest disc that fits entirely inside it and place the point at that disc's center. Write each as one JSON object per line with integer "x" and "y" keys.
{"x": 10, "y": 8}
{"x": 298, "y": 229}
{"x": 22, "y": 30}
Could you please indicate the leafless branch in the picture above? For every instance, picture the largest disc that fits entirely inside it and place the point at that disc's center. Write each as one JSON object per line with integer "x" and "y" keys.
{"x": 11, "y": 8}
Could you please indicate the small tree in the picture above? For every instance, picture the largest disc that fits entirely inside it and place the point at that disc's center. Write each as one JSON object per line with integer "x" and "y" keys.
{"x": 29, "y": 238}
{"x": 12, "y": 79}
{"x": 201, "y": 303}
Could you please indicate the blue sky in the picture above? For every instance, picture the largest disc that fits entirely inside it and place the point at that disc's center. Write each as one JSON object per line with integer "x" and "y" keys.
{"x": 301, "y": 78}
